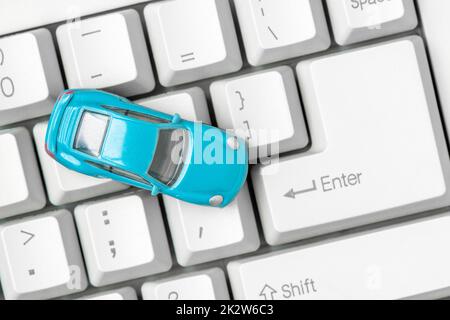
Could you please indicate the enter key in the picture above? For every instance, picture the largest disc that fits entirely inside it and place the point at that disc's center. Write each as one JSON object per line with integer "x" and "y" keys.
{"x": 378, "y": 149}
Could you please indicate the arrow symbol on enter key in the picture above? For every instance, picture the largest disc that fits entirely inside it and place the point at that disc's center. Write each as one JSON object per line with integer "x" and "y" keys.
{"x": 29, "y": 234}
{"x": 292, "y": 194}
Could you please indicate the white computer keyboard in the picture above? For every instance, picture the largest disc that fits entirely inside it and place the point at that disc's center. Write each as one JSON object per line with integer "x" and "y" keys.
{"x": 355, "y": 207}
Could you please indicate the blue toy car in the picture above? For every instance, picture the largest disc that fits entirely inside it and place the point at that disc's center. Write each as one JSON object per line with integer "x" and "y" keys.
{"x": 104, "y": 135}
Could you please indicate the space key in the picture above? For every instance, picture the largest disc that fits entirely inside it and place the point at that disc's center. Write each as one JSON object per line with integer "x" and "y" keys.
{"x": 24, "y": 14}
{"x": 404, "y": 261}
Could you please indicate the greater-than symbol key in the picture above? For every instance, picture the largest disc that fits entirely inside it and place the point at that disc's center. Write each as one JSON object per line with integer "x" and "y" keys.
{"x": 29, "y": 234}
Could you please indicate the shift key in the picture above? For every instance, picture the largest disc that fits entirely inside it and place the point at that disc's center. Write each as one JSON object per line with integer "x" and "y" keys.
{"x": 406, "y": 261}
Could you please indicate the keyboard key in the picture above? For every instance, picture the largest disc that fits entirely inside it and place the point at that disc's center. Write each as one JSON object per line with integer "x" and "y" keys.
{"x": 405, "y": 261}
{"x": 126, "y": 293}
{"x": 186, "y": 50}
{"x": 203, "y": 285}
{"x": 107, "y": 52}
{"x": 263, "y": 107}
{"x": 64, "y": 185}
{"x": 276, "y": 30}
{"x": 378, "y": 149}
{"x": 21, "y": 187}
{"x": 34, "y": 14}
{"x": 30, "y": 80}
{"x": 190, "y": 104}
{"x": 122, "y": 238}
{"x": 200, "y": 233}
{"x": 435, "y": 20}
{"x": 203, "y": 234}
{"x": 40, "y": 257}
{"x": 360, "y": 20}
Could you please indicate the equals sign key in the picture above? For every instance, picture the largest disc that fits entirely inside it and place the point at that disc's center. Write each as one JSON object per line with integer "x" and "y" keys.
{"x": 187, "y": 57}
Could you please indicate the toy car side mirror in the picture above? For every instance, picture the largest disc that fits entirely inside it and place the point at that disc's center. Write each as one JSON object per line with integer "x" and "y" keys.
{"x": 176, "y": 118}
{"x": 155, "y": 191}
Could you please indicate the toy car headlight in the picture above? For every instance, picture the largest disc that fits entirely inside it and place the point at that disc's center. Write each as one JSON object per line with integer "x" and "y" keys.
{"x": 233, "y": 143}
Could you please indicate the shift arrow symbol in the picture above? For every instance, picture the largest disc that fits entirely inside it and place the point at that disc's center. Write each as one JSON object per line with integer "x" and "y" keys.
{"x": 292, "y": 194}
{"x": 30, "y": 236}
{"x": 267, "y": 292}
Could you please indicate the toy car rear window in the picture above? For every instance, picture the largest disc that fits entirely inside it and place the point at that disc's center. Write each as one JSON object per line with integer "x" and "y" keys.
{"x": 170, "y": 155}
{"x": 91, "y": 133}
{"x": 136, "y": 115}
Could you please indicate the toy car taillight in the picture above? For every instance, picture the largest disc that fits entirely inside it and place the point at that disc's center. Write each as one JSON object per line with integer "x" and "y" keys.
{"x": 49, "y": 152}
{"x": 64, "y": 94}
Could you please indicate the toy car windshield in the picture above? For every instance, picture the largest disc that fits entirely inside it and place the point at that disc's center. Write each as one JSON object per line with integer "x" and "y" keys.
{"x": 170, "y": 155}
{"x": 91, "y": 133}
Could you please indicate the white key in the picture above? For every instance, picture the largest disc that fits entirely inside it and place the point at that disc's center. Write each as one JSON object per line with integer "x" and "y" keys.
{"x": 186, "y": 50}
{"x": 263, "y": 107}
{"x": 205, "y": 234}
{"x": 190, "y": 104}
{"x": 35, "y": 14}
{"x": 30, "y": 80}
{"x": 275, "y": 30}
{"x": 406, "y": 261}
{"x": 378, "y": 149}
{"x": 107, "y": 52}
{"x": 203, "y": 285}
{"x": 360, "y": 20}
{"x": 126, "y": 293}
{"x": 435, "y": 23}
{"x": 40, "y": 257}
{"x": 123, "y": 238}
{"x": 21, "y": 187}
{"x": 64, "y": 185}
